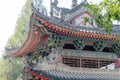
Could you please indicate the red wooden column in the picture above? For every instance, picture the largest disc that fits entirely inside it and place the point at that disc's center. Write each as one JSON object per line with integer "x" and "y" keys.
{"x": 117, "y": 64}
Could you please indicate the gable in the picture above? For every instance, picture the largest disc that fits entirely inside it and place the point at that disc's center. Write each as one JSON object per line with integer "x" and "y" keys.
{"x": 85, "y": 19}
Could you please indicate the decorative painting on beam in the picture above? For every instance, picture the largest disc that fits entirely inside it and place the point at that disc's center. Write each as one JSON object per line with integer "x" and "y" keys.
{"x": 55, "y": 55}
{"x": 89, "y": 54}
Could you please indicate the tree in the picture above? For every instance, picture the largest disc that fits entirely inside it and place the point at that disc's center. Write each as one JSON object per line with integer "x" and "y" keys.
{"x": 12, "y": 68}
{"x": 112, "y": 8}
{"x": 22, "y": 25}
{"x": 105, "y": 12}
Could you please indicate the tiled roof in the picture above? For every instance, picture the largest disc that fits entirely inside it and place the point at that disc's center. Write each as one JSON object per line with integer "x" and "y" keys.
{"x": 63, "y": 75}
{"x": 64, "y": 29}
{"x": 70, "y": 11}
{"x": 61, "y": 23}
{"x": 64, "y": 10}
{"x": 11, "y": 50}
{"x": 62, "y": 72}
{"x": 32, "y": 42}
{"x": 116, "y": 30}
{"x": 77, "y": 7}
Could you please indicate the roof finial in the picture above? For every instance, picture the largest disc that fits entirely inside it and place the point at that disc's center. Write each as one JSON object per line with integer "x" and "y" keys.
{"x": 55, "y": 3}
{"x": 74, "y": 3}
{"x": 83, "y": 0}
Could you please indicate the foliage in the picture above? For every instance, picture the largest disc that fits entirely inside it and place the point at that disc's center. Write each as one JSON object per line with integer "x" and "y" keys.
{"x": 22, "y": 25}
{"x": 105, "y": 13}
{"x": 10, "y": 69}
{"x": 112, "y": 8}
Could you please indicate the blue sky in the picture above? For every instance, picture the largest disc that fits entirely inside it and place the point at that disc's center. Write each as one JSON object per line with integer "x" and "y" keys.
{"x": 10, "y": 11}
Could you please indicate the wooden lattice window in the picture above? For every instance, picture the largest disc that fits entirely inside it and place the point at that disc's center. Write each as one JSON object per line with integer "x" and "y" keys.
{"x": 71, "y": 62}
{"x": 87, "y": 63}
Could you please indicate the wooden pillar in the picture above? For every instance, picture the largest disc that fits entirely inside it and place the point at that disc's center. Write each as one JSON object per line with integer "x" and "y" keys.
{"x": 117, "y": 63}
{"x": 98, "y": 63}
{"x": 80, "y": 63}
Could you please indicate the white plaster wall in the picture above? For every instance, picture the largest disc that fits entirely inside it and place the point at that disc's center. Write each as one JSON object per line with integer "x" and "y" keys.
{"x": 79, "y": 20}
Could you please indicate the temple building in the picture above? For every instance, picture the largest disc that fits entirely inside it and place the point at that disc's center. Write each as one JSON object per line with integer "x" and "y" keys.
{"x": 69, "y": 45}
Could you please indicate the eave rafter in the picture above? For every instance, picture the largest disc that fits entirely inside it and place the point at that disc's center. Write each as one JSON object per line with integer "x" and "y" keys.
{"x": 37, "y": 76}
{"x": 30, "y": 43}
{"x": 33, "y": 41}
